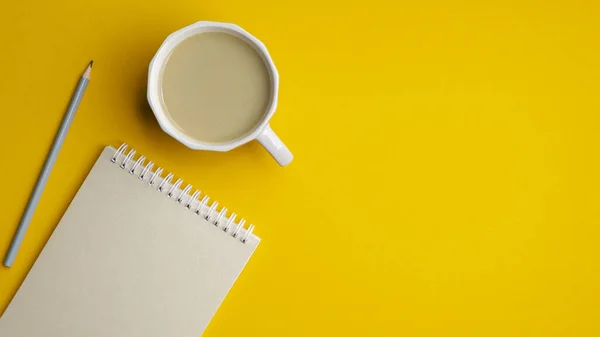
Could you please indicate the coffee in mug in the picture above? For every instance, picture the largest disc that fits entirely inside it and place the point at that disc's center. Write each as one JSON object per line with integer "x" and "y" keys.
{"x": 213, "y": 86}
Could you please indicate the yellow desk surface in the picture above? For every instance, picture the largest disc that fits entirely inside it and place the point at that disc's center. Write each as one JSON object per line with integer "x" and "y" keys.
{"x": 446, "y": 179}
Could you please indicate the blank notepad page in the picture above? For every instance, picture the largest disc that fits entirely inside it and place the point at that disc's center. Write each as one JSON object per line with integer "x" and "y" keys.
{"x": 128, "y": 260}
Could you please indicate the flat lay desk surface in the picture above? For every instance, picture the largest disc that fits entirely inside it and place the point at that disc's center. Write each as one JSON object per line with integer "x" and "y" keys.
{"x": 446, "y": 173}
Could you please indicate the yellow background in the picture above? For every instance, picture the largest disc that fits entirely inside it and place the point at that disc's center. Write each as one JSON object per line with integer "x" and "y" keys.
{"x": 446, "y": 179}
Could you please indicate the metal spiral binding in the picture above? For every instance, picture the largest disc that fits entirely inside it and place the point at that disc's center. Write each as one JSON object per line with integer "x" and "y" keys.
{"x": 200, "y": 207}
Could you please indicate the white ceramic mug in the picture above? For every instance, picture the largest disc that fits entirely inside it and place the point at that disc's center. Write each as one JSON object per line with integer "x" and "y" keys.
{"x": 262, "y": 133}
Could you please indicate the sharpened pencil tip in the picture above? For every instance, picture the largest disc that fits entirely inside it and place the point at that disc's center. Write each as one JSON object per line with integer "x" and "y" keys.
{"x": 88, "y": 70}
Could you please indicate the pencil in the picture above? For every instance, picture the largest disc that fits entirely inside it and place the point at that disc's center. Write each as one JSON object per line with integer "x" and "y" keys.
{"x": 47, "y": 168}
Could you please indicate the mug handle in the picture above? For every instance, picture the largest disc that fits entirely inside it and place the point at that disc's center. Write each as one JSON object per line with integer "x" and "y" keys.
{"x": 269, "y": 140}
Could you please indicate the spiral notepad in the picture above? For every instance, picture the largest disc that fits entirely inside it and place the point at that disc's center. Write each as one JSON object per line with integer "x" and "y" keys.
{"x": 136, "y": 254}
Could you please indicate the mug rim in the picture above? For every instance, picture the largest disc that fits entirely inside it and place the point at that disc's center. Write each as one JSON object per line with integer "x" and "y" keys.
{"x": 153, "y": 92}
